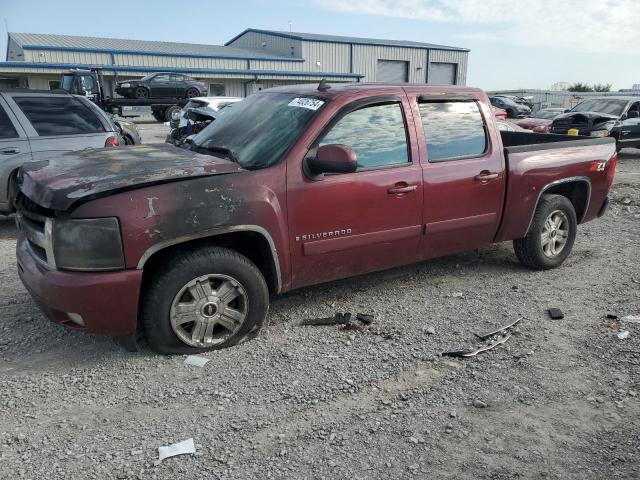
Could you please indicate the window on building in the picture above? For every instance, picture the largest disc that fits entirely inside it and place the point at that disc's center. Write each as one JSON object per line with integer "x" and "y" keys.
{"x": 377, "y": 134}
{"x": 7, "y": 130}
{"x": 217, "y": 90}
{"x": 59, "y": 115}
{"x": 54, "y": 84}
{"x": 453, "y": 130}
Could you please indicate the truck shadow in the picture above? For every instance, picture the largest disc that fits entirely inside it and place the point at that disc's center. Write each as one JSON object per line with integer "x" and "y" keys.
{"x": 8, "y": 228}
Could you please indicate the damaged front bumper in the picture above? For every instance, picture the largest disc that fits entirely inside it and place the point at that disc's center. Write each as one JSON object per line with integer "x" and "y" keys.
{"x": 104, "y": 303}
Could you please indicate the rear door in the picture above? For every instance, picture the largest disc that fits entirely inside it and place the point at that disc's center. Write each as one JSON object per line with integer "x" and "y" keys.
{"x": 464, "y": 174}
{"x": 14, "y": 149}
{"x": 352, "y": 223}
{"x": 59, "y": 122}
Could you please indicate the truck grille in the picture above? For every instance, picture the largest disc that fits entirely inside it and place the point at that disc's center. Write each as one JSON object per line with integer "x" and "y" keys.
{"x": 36, "y": 228}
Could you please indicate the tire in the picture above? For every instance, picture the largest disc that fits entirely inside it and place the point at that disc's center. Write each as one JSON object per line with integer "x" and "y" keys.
{"x": 192, "y": 92}
{"x": 158, "y": 115}
{"x": 169, "y": 111}
{"x": 531, "y": 250}
{"x": 170, "y": 313}
{"x": 141, "y": 92}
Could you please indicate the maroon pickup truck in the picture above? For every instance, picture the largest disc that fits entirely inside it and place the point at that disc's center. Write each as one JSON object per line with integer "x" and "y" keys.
{"x": 292, "y": 187}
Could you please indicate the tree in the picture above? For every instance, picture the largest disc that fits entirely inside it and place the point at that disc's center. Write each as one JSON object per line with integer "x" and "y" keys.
{"x": 580, "y": 87}
{"x": 602, "y": 87}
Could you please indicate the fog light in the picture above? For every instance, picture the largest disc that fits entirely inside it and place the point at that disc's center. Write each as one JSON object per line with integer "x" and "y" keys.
{"x": 76, "y": 318}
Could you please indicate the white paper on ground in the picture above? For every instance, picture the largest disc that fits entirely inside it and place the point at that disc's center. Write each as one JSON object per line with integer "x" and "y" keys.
{"x": 180, "y": 448}
{"x": 196, "y": 361}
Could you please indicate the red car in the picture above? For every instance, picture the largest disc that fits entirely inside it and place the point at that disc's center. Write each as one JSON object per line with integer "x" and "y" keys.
{"x": 294, "y": 186}
{"x": 540, "y": 122}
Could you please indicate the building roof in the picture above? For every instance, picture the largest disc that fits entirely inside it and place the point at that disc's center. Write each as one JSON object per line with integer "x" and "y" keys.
{"x": 319, "y": 37}
{"x": 34, "y": 41}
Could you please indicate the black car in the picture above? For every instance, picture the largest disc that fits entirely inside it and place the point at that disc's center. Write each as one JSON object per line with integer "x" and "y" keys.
{"x": 613, "y": 116}
{"x": 514, "y": 110}
{"x": 159, "y": 85}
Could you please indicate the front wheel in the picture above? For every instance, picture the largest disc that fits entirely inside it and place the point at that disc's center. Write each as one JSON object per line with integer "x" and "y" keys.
{"x": 204, "y": 299}
{"x": 551, "y": 236}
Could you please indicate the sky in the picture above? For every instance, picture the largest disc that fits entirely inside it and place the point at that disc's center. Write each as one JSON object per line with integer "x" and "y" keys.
{"x": 514, "y": 43}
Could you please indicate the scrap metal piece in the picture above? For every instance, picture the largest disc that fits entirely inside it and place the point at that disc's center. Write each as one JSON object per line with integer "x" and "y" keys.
{"x": 500, "y": 330}
{"x": 472, "y": 353}
{"x": 181, "y": 448}
{"x": 555, "y": 314}
{"x": 365, "y": 318}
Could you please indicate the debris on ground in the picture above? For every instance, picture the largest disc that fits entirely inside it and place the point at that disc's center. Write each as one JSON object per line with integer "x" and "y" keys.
{"x": 340, "y": 318}
{"x": 622, "y": 334}
{"x": 555, "y": 314}
{"x": 612, "y": 316}
{"x": 479, "y": 404}
{"x": 631, "y": 319}
{"x": 196, "y": 361}
{"x": 495, "y": 338}
{"x": 181, "y": 448}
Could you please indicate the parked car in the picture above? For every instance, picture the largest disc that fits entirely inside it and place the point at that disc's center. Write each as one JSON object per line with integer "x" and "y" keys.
{"x": 526, "y": 101}
{"x": 35, "y": 122}
{"x": 158, "y": 85}
{"x": 213, "y": 104}
{"x": 292, "y": 187}
{"x": 513, "y": 109}
{"x": 128, "y": 131}
{"x": 540, "y": 121}
{"x": 617, "y": 117}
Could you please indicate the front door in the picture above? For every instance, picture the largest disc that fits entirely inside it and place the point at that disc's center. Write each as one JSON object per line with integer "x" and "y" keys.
{"x": 464, "y": 176}
{"x": 352, "y": 223}
{"x": 162, "y": 86}
{"x": 14, "y": 151}
{"x": 630, "y": 127}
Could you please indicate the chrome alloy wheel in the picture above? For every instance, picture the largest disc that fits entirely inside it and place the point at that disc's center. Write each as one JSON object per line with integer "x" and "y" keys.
{"x": 209, "y": 310}
{"x": 555, "y": 233}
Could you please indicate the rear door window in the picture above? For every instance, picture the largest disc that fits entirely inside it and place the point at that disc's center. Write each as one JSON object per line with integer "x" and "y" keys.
{"x": 7, "y": 130}
{"x": 377, "y": 135}
{"x": 59, "y": 115}
{"x": 453, "y": 130}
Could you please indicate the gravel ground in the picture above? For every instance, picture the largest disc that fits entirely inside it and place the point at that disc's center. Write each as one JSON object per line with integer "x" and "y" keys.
{"x": 561, "y": 399}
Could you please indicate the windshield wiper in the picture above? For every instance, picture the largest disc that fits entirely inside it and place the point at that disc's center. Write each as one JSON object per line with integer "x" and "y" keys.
{"x": 224, "y": 151}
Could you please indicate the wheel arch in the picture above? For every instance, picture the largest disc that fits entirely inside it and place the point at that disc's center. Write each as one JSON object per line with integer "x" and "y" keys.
{"x": 252, "y": 241}
{"x": 576, "y": 189}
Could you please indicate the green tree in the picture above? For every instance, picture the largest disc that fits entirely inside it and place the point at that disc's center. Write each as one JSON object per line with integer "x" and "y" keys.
{"x": 580, "y": 87}
{"x": 602, "y": 87}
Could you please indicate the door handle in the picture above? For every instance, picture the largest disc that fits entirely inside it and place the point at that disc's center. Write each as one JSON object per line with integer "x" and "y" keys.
{"x": 485, "y": 176}
{"x": 402, "y": 187}
{"x": 9, "y": 151}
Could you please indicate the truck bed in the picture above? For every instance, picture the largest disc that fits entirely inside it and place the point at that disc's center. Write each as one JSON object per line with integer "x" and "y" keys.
{"x": 518, "y": 142}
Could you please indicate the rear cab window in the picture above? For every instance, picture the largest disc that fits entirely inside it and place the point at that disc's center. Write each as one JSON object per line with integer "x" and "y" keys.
{"x": 59, "y": 115}
{"x": 376, "y": 133}
{"x": 453, "y": 130}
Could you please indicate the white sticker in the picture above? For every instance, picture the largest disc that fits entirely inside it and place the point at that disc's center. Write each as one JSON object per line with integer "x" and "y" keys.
{"x": 306, "y": 102}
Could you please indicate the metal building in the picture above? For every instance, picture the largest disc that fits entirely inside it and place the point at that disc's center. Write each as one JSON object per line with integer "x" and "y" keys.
{"x": 253, "y": 60}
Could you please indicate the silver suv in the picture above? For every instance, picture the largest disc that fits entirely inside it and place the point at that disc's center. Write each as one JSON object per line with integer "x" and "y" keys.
{"x": 32, "y": 122}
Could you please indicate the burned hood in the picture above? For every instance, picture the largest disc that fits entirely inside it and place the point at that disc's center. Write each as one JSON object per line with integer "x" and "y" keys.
{"x": 58, "y": 180}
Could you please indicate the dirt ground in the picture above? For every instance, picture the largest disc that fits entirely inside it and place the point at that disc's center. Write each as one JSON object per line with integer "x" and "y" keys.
{"x": 561, "y": 399}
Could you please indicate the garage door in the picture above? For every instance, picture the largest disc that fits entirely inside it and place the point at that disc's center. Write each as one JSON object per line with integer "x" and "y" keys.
{"x": 392, "y": 71}
{"x": 442, "y": 73}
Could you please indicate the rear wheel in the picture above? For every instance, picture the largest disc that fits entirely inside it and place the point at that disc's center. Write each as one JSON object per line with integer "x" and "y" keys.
{"x": 158, "y": 115}
{"x": 551, "y": 236}
{"x": 141, "y": 92}
{"x": 169, "y": 112}
{"x": 205, "y": 299}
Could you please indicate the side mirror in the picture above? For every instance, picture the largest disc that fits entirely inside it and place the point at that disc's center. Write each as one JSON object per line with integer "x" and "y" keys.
{"x": 633, "y": 114}
{"x": 334, "y": 158}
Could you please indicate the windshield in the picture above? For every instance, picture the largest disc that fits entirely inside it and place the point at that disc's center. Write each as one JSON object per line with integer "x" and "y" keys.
{"x": 546, "y": 114}
{"x": 257, "y": 131}
{"x": 67, "y": 82}
{"x": 602, "y": 105}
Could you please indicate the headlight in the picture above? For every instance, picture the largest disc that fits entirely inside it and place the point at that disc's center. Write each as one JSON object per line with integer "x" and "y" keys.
{"x": 599, "y": 133}
{"x": 88, "y": 244}
{"x": 125, "y": 85}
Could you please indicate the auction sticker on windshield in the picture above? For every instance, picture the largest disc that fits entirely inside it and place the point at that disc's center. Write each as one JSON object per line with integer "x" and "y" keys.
{"x": 306, "y": 102}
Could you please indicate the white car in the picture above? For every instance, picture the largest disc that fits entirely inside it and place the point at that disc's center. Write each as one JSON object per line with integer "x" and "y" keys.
{"x": 213, "y": 103}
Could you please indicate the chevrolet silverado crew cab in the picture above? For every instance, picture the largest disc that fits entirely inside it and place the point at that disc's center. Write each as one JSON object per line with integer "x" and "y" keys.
{"x": 294, "y": 186}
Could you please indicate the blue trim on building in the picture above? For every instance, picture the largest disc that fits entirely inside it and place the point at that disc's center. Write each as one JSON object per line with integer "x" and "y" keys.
{"x": 377, "y": 43}
{"x": 159, "y": 54}
{"x": 128, "y": 68}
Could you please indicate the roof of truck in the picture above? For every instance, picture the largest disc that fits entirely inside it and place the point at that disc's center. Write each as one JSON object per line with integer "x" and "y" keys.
{"x": 339, "y": 89}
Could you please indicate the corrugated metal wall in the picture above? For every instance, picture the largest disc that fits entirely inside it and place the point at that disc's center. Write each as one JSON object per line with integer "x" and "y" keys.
{"x": 365, "y": 61}
{"x": 273, "y": 43}
{"x": 57, "y": 56}
{"x": 180, "y": 62}
{"x": 14, "y": 52}
{"x": 452, "y": 56}
{"x": 332, "y": 57}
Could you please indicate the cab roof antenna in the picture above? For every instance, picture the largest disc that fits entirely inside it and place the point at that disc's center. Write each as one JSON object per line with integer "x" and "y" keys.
{"x": 323, "y": 86}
